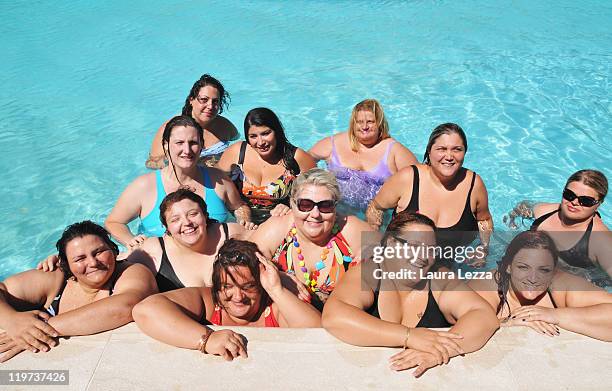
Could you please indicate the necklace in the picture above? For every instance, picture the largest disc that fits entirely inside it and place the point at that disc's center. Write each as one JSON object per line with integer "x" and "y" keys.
{"x": 311, "y": 277}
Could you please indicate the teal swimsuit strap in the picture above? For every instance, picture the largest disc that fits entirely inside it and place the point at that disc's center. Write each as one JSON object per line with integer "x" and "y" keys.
{"x": 161, "y": 194}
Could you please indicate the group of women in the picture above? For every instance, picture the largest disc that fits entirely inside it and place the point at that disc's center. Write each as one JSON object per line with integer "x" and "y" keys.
{"x": 296, "y": 256}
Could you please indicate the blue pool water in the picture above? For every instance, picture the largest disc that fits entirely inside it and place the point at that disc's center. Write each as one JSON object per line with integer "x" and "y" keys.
{"x": 84, "y": 87}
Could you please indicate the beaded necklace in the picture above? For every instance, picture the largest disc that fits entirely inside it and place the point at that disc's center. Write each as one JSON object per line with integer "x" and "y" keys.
{"x": 311, "y": 278}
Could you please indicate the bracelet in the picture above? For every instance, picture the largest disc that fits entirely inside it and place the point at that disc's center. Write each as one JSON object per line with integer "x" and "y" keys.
{"x": 408, "y": 329}
{"x": 203, "y": 340}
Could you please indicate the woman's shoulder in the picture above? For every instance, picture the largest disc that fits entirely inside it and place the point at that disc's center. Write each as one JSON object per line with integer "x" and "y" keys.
{"x": 145, "y": 180}
{"x": 543, "y": 208}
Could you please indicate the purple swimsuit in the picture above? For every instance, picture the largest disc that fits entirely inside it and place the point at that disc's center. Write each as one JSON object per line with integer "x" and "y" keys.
{"x": 358, "y": 187}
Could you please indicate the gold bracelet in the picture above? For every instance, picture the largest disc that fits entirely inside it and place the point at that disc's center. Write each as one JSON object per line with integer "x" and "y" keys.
{"x": 203, "y": 340}
{"x": 408, "y": 329}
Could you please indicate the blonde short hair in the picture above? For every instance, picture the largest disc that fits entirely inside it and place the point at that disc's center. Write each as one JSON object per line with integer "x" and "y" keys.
{"x": 316, "y": 177}
{"x": 373, "y": 106}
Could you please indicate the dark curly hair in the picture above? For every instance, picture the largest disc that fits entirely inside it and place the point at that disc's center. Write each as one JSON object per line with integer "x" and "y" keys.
{"x": 524, "y": 240}
{"x": 203, "y": 81}
{"x": 234, "y": 253}
{"x": 78, "y": 230}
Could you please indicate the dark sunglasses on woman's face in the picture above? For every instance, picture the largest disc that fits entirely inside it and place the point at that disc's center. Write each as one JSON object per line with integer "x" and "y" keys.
{"x": 582, "y": 200}
{"x": 325, "y": 206}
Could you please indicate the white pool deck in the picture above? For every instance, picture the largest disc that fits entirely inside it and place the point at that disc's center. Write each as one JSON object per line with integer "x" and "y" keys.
{"x": 311, "y": 359}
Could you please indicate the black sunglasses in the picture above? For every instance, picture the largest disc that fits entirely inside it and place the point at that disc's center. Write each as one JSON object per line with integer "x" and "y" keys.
{"x": 325, "y": 206}
{"x": 582, "y": 200}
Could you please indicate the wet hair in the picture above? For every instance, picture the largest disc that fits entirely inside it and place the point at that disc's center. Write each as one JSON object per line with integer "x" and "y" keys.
{"x": 79, "y": 230}
{"x": 316, "y": 177}
{"x": 594, "y": 179}
{"x": 373, "y": 106}
{"x": 447, "y": 128}
{"x": 177, "y": 196}
{"x": 262, "y": 116}
{"x": 235, "y": 253}
{"x": 403, "y": 219}
{"x": 203, "y": 81}
{"x": 524, "y": 240}
{"x": 179, "y": 120}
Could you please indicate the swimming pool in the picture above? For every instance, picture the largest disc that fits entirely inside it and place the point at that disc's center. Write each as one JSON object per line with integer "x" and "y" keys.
{"x": 84, "y": 87}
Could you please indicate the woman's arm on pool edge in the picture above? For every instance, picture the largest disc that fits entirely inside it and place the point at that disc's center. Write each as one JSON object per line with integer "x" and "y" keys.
{"x": 345, "y": 318}
{"x": 134, "y": 284}
{"x": 22, "y": 296}
{"x": 176, "y": 317}
{"x": 475, "y": 319}
{"x": 586, "y": 309}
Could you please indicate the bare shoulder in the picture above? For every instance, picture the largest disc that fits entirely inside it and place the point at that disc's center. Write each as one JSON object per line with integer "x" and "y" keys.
{"x": 479, "y": 184}
{"x": 304, "y": 159}
{"x": 144, "y": 182}
{"x": 270, "y": 234}
{"x": 356, "y": 225}
{"x": 564, "y": 282}
{"x": 598, "y": 225}
{"x": 322, "y": 149}
{"x": 234, "y": 149}
{"x": 543, "y": 208}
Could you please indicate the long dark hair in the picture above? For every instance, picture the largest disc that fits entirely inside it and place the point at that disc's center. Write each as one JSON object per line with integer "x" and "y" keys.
{"x": 179, "y": 120}
{"x": 447, "y": 128}
{"x": 78, "y": 230}
{"x": 524, "y": 240}
{"x": 262, "y": 116}
{"x": 203, "y": 81}
{"x": 235, "y": 253}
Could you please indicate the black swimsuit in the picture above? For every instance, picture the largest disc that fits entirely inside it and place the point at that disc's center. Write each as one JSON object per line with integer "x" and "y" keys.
{"x": 53, "y": 308}
{"x": 166, "y": 277}
{"x": 460, "y": 234}
{"x": 578, "y": 255}
{"x": 432, "y": 316}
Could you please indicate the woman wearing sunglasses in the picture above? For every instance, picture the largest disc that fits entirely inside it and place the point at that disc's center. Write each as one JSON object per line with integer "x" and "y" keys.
{"x": 246, "y": 291}
{"x": 394, "y": 300}
{"x": 313, "y": 241}
{"x": 583, "y": 240}
{"x": 206, "y": 100}
{"x": 528, "y": 291}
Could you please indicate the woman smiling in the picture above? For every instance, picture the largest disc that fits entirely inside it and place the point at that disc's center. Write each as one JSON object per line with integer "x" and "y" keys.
{"x": 88, "y": 294}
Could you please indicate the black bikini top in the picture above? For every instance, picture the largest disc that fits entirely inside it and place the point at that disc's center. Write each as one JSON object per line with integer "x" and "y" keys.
{"x": 166, "y": 277}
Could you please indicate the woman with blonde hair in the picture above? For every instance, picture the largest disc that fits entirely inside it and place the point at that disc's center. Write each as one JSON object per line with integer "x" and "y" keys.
{"x": 363, "y": 157}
